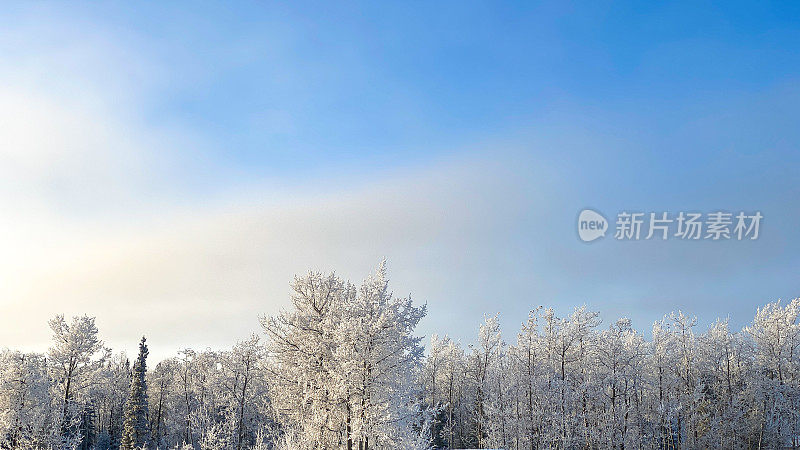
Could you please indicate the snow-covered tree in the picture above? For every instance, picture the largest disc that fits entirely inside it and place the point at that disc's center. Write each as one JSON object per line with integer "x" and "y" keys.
{"x": 136, "y": 429}
{"x": 25, "y": 415}
{"x": 342, "y": 369}
{"x": 301, "y": 347}
{"x": 776, "y": 338}
{"x": 245, "y": 391}
{"x": 342, "y": 363}
{"x": 73, "y": 363}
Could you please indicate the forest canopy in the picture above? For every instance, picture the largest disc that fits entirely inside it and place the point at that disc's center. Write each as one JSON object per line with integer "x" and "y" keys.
{"x": 342, "y": 367}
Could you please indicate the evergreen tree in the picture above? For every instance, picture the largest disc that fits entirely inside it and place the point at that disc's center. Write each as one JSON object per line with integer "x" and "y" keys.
{"x": 135, "y": 433}
{"x": 343, "y": 370}
{"x": 87, "y": 429}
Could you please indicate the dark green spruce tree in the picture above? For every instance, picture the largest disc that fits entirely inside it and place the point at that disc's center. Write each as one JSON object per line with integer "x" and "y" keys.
{"x": 136, "y": 430}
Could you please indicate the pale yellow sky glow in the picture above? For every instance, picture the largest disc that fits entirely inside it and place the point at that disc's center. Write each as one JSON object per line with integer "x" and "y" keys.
{"x": 171, "y": 178}
{"x": 86, "y": 228}
{"x": 186, "y": 274}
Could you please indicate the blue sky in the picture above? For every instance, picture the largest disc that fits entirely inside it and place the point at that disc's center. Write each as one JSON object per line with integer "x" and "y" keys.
{"x": 191, "y": 157}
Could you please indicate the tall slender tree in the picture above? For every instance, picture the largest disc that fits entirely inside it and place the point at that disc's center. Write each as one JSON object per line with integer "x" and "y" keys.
{"x": 136, "y": 431}
{"x": 72, "y": 364}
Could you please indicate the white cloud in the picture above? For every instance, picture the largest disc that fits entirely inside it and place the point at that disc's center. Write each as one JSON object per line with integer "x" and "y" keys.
{"x": 92, "y": 223}
{"x": 202, "y": 277}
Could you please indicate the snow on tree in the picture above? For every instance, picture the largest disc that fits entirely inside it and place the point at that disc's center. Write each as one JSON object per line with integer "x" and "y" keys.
{"x": 776, "y": 337}
{"x": 136, "y": 429}
{"x": 72, "y": 365}
{"x": 160, "y": 385}
{"x": 24, "y": 399}
{"x": 377, "y": 358}
{"x": 342, "y": 369}
{"x": 343, "y": 361}
{"x": 301, "y": 344}
{"x": 108, "y": 394}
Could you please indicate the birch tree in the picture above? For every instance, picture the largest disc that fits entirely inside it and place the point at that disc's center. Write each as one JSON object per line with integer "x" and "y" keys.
{"x": 73, "y": 360}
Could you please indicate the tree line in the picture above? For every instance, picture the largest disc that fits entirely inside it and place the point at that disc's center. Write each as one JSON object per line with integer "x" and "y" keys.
{"x": 342, "y": 368}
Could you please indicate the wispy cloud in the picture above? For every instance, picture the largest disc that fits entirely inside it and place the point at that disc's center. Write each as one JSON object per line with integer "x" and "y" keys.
{"x": 115, "y": 207}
